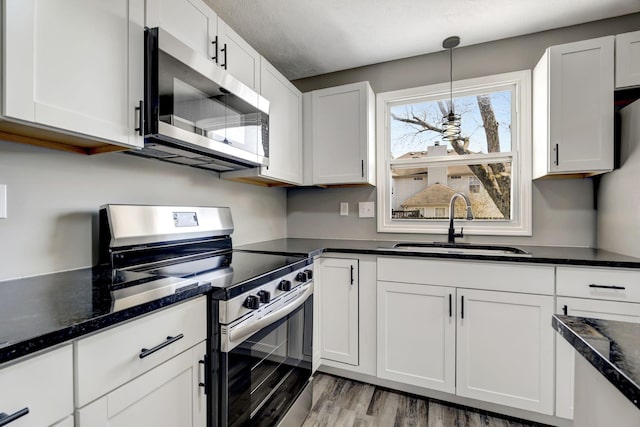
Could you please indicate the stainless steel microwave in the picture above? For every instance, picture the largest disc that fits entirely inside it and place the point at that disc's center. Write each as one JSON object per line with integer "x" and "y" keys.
{"x": 195, "y": 113}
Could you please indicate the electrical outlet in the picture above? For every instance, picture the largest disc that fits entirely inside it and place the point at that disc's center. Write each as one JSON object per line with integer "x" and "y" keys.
{"x": 3, "y": 201}
{"x": 344, "y": 208}
{"x": 366, "y": 209}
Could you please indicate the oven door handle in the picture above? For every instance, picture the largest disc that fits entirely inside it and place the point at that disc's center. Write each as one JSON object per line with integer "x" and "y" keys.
{"x": 239, "y": 333}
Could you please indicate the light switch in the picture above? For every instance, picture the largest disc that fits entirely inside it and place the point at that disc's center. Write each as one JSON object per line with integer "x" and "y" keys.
{"x": 366, "y": 209}
{"x": 344, "y": 208}
{"x": 3, "y": 201}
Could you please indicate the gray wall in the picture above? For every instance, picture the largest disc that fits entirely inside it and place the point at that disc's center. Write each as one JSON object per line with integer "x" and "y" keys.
{"x": 54, "y": 196}
{"x": 563, "y": 210}
{"x": 618, "y": 197}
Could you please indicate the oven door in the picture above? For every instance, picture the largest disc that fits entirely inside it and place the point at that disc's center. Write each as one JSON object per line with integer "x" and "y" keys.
{"x": 262, "y": 376}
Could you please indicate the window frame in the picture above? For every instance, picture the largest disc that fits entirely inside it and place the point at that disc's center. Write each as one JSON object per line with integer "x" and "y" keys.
{"x": 520, "y": 223}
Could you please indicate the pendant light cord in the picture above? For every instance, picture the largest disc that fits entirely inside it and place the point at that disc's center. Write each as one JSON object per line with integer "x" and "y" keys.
{"x": 451, "y": 80}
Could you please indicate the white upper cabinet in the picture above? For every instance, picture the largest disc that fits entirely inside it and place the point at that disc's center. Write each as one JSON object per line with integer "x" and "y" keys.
{"x": 238, "y": 57}
{"x": 628, "y": 59}
{"x": 75, "y": 66}
{"x": 190, "y": 21}
{"x": 195, "y": 24}
{"x": 285, "y": 125}
{"x": 285, "y": 132}
{"x": 339, "y": 129}
{"x": 573, "y": 109}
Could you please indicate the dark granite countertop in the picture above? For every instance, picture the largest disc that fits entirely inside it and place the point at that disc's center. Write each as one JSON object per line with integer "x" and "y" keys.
{"x": 612, "y": 347}
{"x": 537, "y": 254}
{"x": 43, "y": 311}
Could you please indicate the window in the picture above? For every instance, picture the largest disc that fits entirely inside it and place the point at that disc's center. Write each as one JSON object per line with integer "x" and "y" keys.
{"x": 490, "y": 162}
{"x": 474, "y": 185}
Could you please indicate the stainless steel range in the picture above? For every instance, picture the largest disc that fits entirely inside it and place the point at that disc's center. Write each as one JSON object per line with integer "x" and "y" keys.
{"x": 260, "y": 306}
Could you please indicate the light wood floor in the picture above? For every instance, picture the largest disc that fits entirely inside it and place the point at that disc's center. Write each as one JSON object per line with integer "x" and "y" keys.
{"x": 338, "y": 402}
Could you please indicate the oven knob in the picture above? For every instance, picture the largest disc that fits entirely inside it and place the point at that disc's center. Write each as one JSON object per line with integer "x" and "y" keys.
{"x": 265, "y": 296}
{"x": 252, "y": 302}
{"x": 309, "y": 274}
{"x": 285, "y": 285}
{"x": 301, "y": 277}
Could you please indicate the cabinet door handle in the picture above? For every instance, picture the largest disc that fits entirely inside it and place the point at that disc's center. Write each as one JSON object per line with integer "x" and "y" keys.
{"x": 362, "y": 167}
{"x": 565, "y": 310}
{"x": 593, "y": 285}
{"x": 462, "y": 306}
{"x": 6, "y": 419}
{"x": 215, "y": 49}
{"x": 557, "y": 150}
{"x": 450, "y": 305}
{"x": 224, "y": 50}
{"x": 352, "y": 275}
{"x": 140, "y": 110}
{"x": 149, "y": 351}
{"x": 203, "y": 384}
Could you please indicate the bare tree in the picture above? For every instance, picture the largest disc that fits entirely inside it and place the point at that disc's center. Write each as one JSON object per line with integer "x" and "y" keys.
{"x": 494, "y": 176}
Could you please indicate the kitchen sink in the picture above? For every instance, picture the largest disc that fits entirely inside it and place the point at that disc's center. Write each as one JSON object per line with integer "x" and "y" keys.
{"x": 460, "y": 248}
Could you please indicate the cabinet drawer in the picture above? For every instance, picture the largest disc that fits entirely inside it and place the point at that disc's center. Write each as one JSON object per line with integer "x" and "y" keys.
{"x": 43, "y": 384}
{"x": 600, "y": 283}
{"x": 526, "y": 278}
{"x": 111, "y": 358}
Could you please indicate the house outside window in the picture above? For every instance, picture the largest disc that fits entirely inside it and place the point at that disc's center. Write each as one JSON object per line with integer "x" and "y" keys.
{"x": 490, "y": 162}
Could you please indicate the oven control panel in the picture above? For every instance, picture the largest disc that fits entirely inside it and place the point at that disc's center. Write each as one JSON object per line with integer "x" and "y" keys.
{"x": 256, "y": 299}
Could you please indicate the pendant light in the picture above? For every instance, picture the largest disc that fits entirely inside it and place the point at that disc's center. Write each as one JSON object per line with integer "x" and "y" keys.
{"x": 451, "y": 122}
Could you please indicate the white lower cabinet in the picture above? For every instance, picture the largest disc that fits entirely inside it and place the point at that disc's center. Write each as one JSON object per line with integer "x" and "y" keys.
{"x": 338, "y": 309}
{"x": 38, "y": 391}
{"x": 565, "y": 353}
{"x": 505, "y": 349}
{"x": 67, "y": 422}
{"x": 417, "y": 335}
{"x": 443, "y": 326}
{"x": 146, "y": 372}
{"x": 167, "y": 396}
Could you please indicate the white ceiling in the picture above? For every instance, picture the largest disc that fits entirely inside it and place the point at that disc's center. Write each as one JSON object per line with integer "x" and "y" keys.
{"x": 304, "y": 38}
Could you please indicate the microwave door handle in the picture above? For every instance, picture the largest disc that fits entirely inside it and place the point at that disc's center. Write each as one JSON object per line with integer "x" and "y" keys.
{"x": 241, "y": 332}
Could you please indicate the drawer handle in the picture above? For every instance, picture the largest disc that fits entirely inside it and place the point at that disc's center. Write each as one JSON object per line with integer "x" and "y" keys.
{"x": 149, "y": 351}
{"x": 593, "y": 285}
{"x": 6, "y": 419}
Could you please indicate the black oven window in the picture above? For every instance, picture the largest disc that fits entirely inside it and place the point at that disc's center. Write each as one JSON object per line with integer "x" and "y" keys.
{"x": 267, "y": 371}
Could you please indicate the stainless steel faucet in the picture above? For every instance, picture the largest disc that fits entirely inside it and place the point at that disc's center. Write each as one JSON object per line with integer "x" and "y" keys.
{"x": 452, "y": 230}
